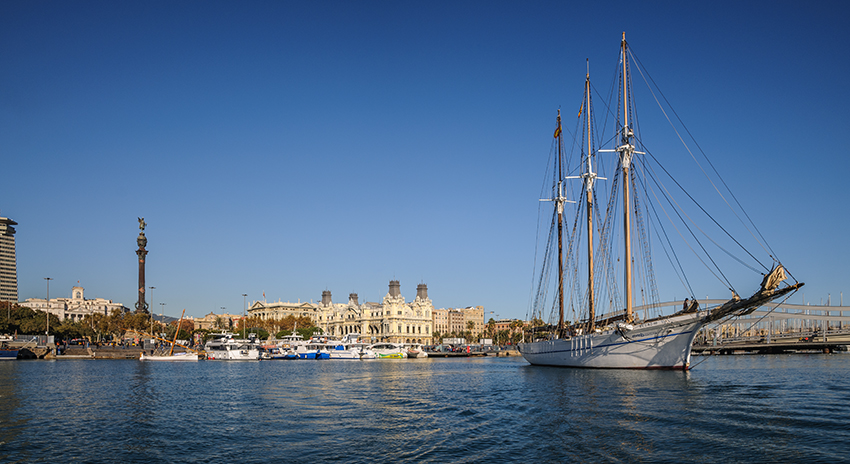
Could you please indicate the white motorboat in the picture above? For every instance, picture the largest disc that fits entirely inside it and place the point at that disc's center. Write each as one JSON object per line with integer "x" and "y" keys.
{"x": 223, "y": 347}
{"x": 388, "y": 351}
{"x": 415, "y": 350}
{"x": 349, "y": 348}
{"x": 174, "y": 357}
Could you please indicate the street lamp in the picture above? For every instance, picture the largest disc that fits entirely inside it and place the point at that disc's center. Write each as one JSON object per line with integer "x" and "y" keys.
{"x": 152, "y": 288}
{"x": 161, "y": 311}
{"x": 47, "y": 330}
{"x": 244, "y": 302}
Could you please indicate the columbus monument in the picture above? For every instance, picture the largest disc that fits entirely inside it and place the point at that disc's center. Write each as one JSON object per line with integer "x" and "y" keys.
{"x": 141, "y": 306}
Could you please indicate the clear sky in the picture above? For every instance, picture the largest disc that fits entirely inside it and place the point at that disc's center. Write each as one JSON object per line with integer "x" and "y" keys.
{"x": 294, "y": 147}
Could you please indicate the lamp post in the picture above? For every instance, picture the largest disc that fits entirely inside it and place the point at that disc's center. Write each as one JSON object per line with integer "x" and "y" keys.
{"x": 244, "y": 302}
{"x": 161, "y": 311}
{"x": 47, "y": 330}
{"x": 152, "y": 289}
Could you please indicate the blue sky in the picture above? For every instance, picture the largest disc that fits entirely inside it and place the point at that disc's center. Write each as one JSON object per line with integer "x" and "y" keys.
{"x": 294, "y": 147}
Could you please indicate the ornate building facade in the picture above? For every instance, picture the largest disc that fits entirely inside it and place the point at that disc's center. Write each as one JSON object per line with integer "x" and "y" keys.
{"x": 74, "y": 308}
{"x": 392, "y": 320}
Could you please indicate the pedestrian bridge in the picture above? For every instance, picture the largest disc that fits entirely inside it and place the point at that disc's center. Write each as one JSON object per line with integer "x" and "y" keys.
{"x": 778, "y": 327}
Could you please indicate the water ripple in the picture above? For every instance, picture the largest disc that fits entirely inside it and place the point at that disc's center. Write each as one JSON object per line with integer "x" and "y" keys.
{"x": 731, "y": 409}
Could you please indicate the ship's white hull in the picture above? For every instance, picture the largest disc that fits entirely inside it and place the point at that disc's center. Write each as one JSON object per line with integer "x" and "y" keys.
{"x": 179, "y": 357}
{"x": 662, "y": 344}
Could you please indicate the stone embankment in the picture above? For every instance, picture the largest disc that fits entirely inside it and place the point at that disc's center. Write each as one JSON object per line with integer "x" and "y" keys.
{"x": 102, "y": 352}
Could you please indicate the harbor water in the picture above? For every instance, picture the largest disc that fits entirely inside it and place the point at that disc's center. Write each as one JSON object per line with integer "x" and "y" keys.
{"x": 776, "y": 408}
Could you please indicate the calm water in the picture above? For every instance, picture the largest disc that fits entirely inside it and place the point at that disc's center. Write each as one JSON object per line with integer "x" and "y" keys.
{"x": 783, "y": 408}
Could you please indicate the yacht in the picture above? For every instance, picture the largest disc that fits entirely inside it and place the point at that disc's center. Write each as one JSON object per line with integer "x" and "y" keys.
{"x": 349, "y": 348}
{"x": 224, "y": 347}
{"x": 388, "y": 350}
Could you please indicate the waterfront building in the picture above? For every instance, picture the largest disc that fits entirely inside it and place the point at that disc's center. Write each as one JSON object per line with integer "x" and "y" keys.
{"x": 214, "y": 321}
{"x": 280, "y": 310}
{"x": 8, "y": 261}
{"x": 74, "y": 308}
{"x": 512, "y": 327}
{"x": 396, "y": 321}
{"x": 392, "y": 320}
{"x": 457, "y": 321}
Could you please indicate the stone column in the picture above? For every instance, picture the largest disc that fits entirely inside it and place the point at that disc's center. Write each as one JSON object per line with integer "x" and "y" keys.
{"x": 142, "y": 241}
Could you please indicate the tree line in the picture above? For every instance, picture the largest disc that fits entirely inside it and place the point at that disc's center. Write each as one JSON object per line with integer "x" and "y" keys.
{"x": 17, "y": 319}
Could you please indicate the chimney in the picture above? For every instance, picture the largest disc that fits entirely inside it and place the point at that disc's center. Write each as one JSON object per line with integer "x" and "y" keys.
{"x": 395, "y": 289}
{"x": 422, "y": 292}
{"x": 352, "y": 299}
{"x": 326, "y": 298}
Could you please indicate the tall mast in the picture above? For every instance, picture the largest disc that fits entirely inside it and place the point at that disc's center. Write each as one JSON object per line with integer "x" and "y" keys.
{"x": 559, "y": 200}
{"x": 560, "y": 205}
{"x": 589, "y": 176}
{"x": 626, "y": 150}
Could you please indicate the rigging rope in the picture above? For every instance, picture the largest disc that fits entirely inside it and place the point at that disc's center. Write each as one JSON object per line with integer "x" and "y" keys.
{"x": 764, "y": 245}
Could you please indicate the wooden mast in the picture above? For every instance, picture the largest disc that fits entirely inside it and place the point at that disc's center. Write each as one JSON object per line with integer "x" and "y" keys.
{"x": 170, "y": 353}
{"x": 626, "y": 151}
{"x": 560, "y": 205}
{"x": 588, "y": 179}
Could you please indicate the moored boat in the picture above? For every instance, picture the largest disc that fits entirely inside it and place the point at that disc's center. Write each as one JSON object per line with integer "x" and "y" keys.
{"x": 618, "y": 337}
{"x": 177, "y": 357}
{"x": 188, "y": 355}
{"x": 415, "y": 350}
{"x": 223, "y": 347}
{"x": 388, "y": 351}
{"x": 7, "y": 354}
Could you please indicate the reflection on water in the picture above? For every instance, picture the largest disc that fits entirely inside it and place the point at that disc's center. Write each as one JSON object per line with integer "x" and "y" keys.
{"x": 10, "y": 425}
{"x": 730, "y": 409}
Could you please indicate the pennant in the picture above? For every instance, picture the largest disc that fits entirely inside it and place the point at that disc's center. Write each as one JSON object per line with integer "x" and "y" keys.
{"x": 557, "y": 132}
{"x": 580, "y": 108}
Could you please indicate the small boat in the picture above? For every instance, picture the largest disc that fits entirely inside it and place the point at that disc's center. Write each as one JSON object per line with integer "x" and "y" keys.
{"x": 316, "y": 348}
{"x": 172, "y": 357}
{"x": 272, "y": 353}
{"x": 388, "y": 351}
{"x": 7, "y": 353}
{"x": 415, "y": 350}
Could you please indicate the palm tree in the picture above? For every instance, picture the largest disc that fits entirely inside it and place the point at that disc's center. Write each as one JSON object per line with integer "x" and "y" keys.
{"x": 491, "y": 327}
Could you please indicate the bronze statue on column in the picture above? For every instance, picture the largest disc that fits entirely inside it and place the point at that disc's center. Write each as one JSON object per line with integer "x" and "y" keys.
{"x": 141, "y": 305}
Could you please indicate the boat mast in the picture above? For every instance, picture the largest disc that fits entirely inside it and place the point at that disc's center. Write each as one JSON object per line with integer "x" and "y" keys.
{"x": 560, "y": 205}
{"x": 171, "y": 353}
{"x": 589, "y": 176}
{"x": 626, "y": 150}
